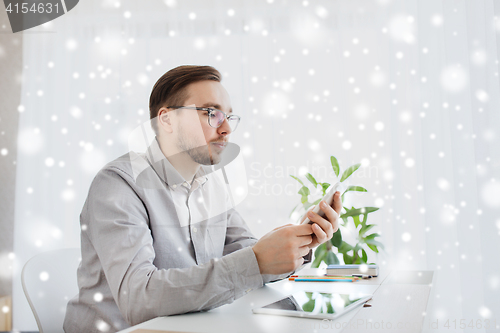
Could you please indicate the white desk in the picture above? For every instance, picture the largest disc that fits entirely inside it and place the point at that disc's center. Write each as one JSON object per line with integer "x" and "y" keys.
{"x": 399, "y": 298}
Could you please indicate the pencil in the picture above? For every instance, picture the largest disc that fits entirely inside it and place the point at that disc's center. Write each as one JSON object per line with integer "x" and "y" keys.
{"x": 349, "y": 278}
{"x": 323, "y": 276}
{"x": 323, "y": 280}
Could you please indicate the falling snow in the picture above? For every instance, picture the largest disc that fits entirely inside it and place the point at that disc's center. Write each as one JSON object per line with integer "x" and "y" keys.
{"x": 454, "y": 78}
{"x": 389, "y": 100}
{"x": 490, "y": 194}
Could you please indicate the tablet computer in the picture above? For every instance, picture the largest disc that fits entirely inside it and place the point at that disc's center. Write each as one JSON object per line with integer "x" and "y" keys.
{"x": 311, "y": 304}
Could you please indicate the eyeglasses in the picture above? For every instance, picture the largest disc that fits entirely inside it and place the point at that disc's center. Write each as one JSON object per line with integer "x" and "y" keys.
{"x": 215, "y": 117}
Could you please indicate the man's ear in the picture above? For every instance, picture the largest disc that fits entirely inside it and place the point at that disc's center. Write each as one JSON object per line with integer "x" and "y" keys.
{"x": 165, "y": 120}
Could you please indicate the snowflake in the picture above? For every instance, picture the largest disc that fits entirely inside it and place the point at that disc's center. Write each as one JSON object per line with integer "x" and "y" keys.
{"x": 346, "y": 145}
{"x": 98, "y": 297}
{"x": 44, "y": 276}
{"x": 401, "y": 28}
{"x": 490, "y": 194}
{"x": 453, "y": 78}
{"x": 482, "y": 96}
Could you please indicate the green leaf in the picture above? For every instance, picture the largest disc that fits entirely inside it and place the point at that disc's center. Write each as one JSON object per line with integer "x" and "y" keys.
{"x": 316, "y": 201}
{"x": 364, "y": 229}
{"x": 373, "y": 248}
{"x": 309, "y": 306}
{"x": 344, "y": 247}
{"x": 321, "y": 249}
{"x": 364, "y": 256}
{"x": 372, "y": 236}
{"x": 336, "y": 238}
{"x": 319, "y": 255}
{"x": 374, "y": 242}
{"x": 300, "y": 181}
{"x": 356, "y": 250}
{"x": 335, "y": 165}
{"x": 311, "y": 179}
{"x": 365, "y": 217}
{"x": 329, "y": 308}
{"x": 355, "y": 188}
{"x": 358, "y": 211}
{"x": 356, "y": 220}
{"x": 317, "y": 261}
{"x": 324, "y": 187}
{"x": 304, "y": 191}
{"x": 331, "y": 258}
{"x": 349, "y": 171}
{"x": 347, "y": 259}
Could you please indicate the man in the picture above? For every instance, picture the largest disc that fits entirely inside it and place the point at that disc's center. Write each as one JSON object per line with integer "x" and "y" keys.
{"x": 159, "y": 234}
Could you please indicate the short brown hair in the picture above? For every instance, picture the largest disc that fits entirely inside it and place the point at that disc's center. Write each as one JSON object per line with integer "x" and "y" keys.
{"x": 170, "y": 89}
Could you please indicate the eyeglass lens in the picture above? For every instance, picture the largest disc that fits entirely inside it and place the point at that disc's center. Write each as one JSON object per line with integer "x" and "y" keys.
{"x": 218, "y": 117}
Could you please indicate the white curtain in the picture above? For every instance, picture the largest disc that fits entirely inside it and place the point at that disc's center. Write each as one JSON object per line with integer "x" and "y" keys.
{"x": 408, "y": 88}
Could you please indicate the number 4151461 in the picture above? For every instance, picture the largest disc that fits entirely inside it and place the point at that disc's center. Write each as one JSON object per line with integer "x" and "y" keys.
{"x": 35, "y": 8}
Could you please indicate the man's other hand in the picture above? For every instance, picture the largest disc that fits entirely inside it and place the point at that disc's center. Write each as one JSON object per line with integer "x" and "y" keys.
{"x": 325, "y": 227}
{"x": 281, "y": 250}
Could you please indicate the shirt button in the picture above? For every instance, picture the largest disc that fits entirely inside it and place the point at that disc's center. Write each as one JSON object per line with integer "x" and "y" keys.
{"x": 195, "y": 230}
{"x": 174, "y": 186}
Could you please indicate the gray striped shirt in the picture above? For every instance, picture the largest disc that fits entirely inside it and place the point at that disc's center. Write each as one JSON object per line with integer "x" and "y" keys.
{"x": 155, "y": 245}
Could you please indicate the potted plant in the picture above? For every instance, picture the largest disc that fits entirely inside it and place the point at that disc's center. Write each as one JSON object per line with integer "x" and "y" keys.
{"x": 327, "y": 252}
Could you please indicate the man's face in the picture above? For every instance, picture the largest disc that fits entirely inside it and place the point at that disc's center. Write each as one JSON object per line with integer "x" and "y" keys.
{"x": 202, "y": 142}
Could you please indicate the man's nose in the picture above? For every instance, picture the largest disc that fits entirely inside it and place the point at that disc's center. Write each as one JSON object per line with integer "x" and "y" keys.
{"x": 225, "y": 128}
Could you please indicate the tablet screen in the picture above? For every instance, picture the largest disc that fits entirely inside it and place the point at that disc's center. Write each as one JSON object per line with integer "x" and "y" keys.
{"x": 315, "y": 303}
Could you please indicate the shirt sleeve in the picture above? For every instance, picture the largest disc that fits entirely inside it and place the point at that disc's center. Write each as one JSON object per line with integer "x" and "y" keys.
{"x": 238, "y": 236}
{"x": 116, "y": 223}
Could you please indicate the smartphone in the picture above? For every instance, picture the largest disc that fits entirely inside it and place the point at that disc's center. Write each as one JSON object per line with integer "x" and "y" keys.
{"x": 329, "y": 200}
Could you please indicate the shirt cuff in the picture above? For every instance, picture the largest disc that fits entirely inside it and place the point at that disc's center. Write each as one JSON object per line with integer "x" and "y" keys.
{"x": 245, "y": 271}
{"x": 267, "y": 278}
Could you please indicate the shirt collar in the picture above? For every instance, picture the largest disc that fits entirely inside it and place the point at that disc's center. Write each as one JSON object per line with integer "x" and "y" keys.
{"x": 166, "y": 170}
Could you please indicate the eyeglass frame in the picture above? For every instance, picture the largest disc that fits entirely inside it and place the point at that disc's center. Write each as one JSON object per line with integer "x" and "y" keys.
{"x": 210, "y": 110}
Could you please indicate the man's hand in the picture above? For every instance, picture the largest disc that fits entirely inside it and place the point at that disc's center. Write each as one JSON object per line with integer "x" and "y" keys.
{"x": 324, "y": 228}
{"x": 281, "y": 250}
